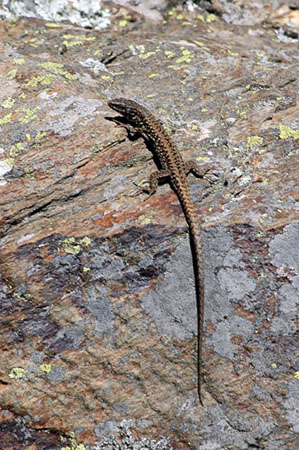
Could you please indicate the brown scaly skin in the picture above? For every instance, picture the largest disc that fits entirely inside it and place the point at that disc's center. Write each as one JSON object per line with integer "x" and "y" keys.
{"x": 172, "y": 166}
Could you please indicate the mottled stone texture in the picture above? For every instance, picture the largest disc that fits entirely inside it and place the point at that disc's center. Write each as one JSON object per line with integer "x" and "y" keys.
{"x": 98, "y": 312}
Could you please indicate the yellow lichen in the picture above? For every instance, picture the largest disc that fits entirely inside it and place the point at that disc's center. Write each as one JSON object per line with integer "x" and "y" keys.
{"x": 11, "y": 74}
{"x": 69, "y": 246}
{"x": 203, "y": 158}
{"x": 286, "y": 132}
{"x": 186, "y": 57}
{"x": 172, "y": 66}
{"x": 198, "y": 43}
{"x": 42, "y": 79}
{"x": 85, "y": 241}
{"x": 5, "y": 119}
{"x": 10, "y": 162}
{"x": 211, "y": 18}
{"x": 73, "y": 247}
{"x": 144, "y": 220}
{"x": 74, "y": 444}
{"x": 40, "y": 135}
{"x": 254, "y": 141}
{"x": 52, "y": 25}
{"x": 19, "y": 61}
{"x": 15, "y": 149}
{"x": 98, "y": 53}
{"x": 58, "y": 69}
{"x": 30, "y": 114}
{"x": 16, "y": 373}
{"x": 230, "y": 53}
{"x": 146, "y": 55}
{"x": 45, "y": 367}
{"x": 71, "y": 40}
{"x": 169, "y": 54}
{"x": 8, "y": 103}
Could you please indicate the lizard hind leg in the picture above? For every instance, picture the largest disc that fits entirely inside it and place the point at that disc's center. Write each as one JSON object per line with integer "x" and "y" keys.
{"x": 154, "y": 180}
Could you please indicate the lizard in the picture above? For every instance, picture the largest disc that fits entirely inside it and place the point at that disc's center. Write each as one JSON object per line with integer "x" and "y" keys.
{"x": 136, "y": 118}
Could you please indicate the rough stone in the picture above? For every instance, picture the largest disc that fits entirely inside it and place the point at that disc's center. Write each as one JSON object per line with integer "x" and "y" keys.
{"x": 97, "y": 301}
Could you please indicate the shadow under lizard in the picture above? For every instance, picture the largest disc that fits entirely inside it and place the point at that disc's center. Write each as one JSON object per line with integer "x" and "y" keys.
{"x": 139, "y": 120}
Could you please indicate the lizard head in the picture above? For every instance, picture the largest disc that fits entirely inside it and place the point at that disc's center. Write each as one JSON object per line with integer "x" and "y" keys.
{"x": 132, "y": 112}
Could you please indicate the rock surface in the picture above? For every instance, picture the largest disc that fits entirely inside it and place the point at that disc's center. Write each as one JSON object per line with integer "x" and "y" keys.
{"x": 98, "y": 312}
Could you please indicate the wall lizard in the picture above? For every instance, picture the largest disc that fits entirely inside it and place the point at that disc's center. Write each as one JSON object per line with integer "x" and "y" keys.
{"x": 139, "y": 120}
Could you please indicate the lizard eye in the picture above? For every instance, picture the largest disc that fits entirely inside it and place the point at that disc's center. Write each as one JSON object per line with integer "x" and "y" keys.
{"x": 130, "y": 112}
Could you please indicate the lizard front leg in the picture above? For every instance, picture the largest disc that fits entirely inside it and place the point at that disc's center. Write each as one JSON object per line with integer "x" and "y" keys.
{"x": 192, "y": 166}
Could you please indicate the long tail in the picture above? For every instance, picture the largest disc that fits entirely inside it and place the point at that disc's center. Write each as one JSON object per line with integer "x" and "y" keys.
{"x": 199, "y": 286}
{"x": 198, "y": 264}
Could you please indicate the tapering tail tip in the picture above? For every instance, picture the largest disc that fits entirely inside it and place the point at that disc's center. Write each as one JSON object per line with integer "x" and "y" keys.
{"x": 200, "y": 397}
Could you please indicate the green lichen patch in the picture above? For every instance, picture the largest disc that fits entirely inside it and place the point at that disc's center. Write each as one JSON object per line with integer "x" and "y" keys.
{"x": 254, "y": 141}
{"x": 19, "y": 61}
{"x": 286, "y": 132}
{"x": 5, "y": 119}
{"x": 46, "y": 368}
{"x": 44, "y": 80}
{"x": 11, "y": 74}
{"x": 146, "y": 55}
{"x": 16, "y": 149}
{"x": 85, "y": 241}
{"x": 40, "y": 135}
{"x": 69, "y": 246}
{"x": 7, "y": 103}
{"x": 74, "y": 443}
{"x": 71, "y": 40}
{"x": 186, "y": 57}
{"x": 29, "y": 115}
{"x": 58, "y": 69}
{"x": 73, "y": 246}
{"x": 52, "y": 25}
{"x": 16, "y": 373}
